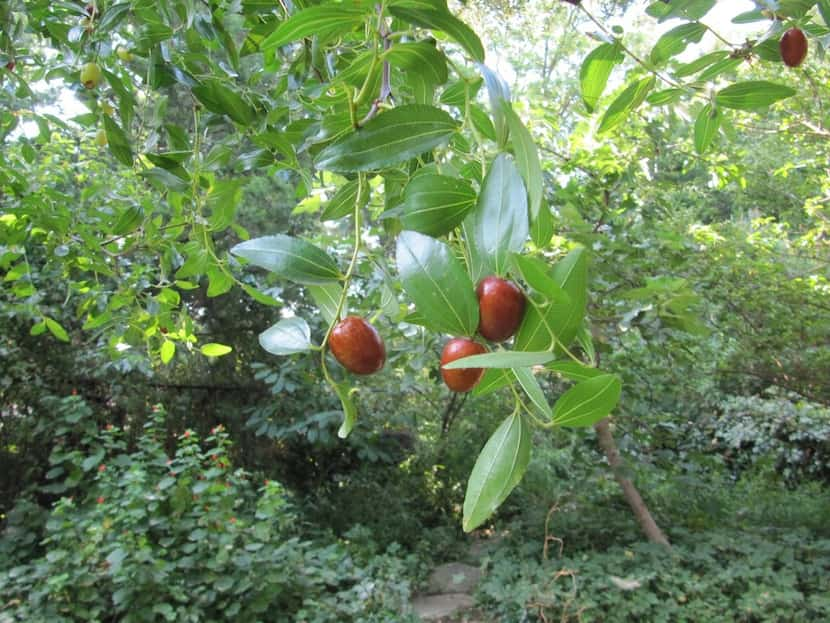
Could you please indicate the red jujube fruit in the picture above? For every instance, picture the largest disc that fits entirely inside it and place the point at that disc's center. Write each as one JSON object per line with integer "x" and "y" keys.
{"x": 357, "y": 345}
{"x": 462, "y": 379}
{"x": 501, "y": 306}
{"x": 793, "y": 47}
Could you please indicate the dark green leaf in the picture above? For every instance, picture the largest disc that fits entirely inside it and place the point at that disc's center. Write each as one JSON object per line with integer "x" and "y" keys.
{"x": 290, "y": 258}
{"x": 437, "y": 283}
{"x": 390, "y": 138}
{"x": 527, "y": 159}
{"x": 588, "y": 402}
{"x": 752, "y": 94}
{"x": 220, "y": 99}
{"x": 421, "y": 57}
{"x": 324, "y": 20}
{"x": 436, "y": 204}
{"x": 499, "y": 468}
{"x": 128, "y": 220}
{"x": 344, "y": 201}
{"x": 118, "y": 142}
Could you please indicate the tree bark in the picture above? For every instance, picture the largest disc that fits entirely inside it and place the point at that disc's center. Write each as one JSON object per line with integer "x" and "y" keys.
{"x": 630, "y": 493}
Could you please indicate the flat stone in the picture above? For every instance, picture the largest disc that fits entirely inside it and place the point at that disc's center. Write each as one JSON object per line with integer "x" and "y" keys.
{"x": 453, "y": 577}
{"x": 436, "y": 607}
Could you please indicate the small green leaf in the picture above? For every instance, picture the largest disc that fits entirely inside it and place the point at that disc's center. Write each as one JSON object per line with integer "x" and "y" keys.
{"x": 666, "y": 96}
{"x": 344, "y": 201}
{"x": 498, "y": 226}
{"x": 327, "y": 298}
{"x": 324, "y": 20}
{"x": 719, "y": 67}
{"x": 499, "y": 95}
{"x": 527, "y": 159}
{"x": 215, "y": 350}
{"x": 695, "y": 66}
{"x": 434, "y": 15}
{"x": 436, "y": 204}
{"x": 533, "y": 390}
{"x": 390, "y": 138}
{"x": 288, "y": 336}
{"x": 493, "y": 380}
{"x": 168, "y": 350}
{"x": 344, "y": 392}
{"x": 573, "y": 370}
{"x": 291, "y": 258}
{"x": 56, "y": 329}
{"x": 498, "y": 469}
{"x": 625, "y": 102}
{"x": 437, "y": 283}
{"x": 502, "y": 359}
{"x": 218, "y": 98}
{"x": 39, "y": 328}
{"x": 706, "y": 126}
{"x": 258, "y": 296}
{"x": 219, "y": 282}
{"x": 118, "y": 142}
{"x": 675, "y": 41}
{"x": 752, "y": 94}
{"x": 588, "y": 402}
{"x": 595, "y": 71}
{"x": 128, "y": 220}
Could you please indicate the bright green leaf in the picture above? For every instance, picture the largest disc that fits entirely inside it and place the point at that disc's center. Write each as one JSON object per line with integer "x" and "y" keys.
{"x": 752, "y": 94}
{"x": 291, "y": 258}
{"x": 324, "y": 20}
{"x": 595, "y": 70}
{"x": 436, "y": 204}
{"x": 527, "y": 159}
{"x": 502, "y": 359}
{"x": 215, "y": 350}
{"x": 588, "y": 402}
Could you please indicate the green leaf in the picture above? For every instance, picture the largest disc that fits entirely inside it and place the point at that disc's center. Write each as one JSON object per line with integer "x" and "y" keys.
{"x": 627, "y": 101}
{"x": 573, "y": 370}
{"x": 499, "y": 468}
{"x": 502, "y": 359}
{"x": 436, "y": 204}
{"x": 39, "y": 328}
{"x": 595, "y": 71}
{"x": 588, "y": 402}
{"x": 675, "y": 41}
{"x": 324, "y": 20}
{"x": 719, "y": 67}
{"x": 219, "y": 282}
{"x": 344, "y": 201}
{"x": 390, "y": 138}
{"x": 499, "y": 95}
{"x": 215, "y": 350}
{"x": 493, "y": 380}
{"x": 258, "y": 296}
{"x": 118, "y": 142}
{"x": 56, "y": 329}
{"x": 218, "y": 98}
{"x": 327, "y": 298}
{"x": 288, "y": 336}
{"x": 824, "y": 9}
{"x": 706, "y": 126}
{"x": 533, "y": 390}
{"x": 527, "y": 159}
{"x": 168, "y": 350}
{"x": 291, "y": 258}
{"x": 695, "y": 66}
{"x": 537, "y": 275}
{"x": 666, "y": 96}
{"x": 437, "y": 283}
{"x": 752, "y": 94}
{"x": 128, "y": 221}
{"x": 344, "y": 392}
{"x": 421, "y": 57}
{"x": 435, "y": 15}
{"x": 541, "y": 228}
{"x": 499, "y": 224}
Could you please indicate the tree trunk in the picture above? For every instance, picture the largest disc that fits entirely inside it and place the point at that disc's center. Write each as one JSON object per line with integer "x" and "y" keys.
{"x": 630, "y": 493}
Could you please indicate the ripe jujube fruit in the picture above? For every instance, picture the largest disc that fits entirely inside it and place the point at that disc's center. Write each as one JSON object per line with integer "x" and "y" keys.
{"x": 793, "y": 47}
{"x": 357, "y": 345}
{"x": 501, "y": 306}
{"x": 462, "y": 379}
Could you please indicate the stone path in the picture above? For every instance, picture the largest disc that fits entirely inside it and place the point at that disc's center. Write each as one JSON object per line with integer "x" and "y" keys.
{"x": 448, "y": 595}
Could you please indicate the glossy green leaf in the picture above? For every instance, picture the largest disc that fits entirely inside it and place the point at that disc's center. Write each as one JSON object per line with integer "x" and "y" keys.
{"x": 627, "y": 101}
{"x": 435, "y": 15}
{"x": 390, "y": 138}
{"x": 421, "y": 57}
{"x": 493, "y": 380}
{"x": 481, "y": 122}
{"x": 223, "y": 100}
{"x": 595, "y": 71}
{"x": 499, "y": 95}
{"x": 498, "y": 469}
{"x": 538, "y": 275}
{"x": 752, "y": 94}
{"x": 344, "y": 201}
{"x": 437, "y": 283}
{"x": 56, "y": 329}
{"x": 527, "y": 159}
{"x": 290, "y": 258}
{"x": 706, "y": 126}
{"x": 502, "y": 359}
{"x": 533, "y": 390}
{"x": 498, "y": 226}
{"x": 327, "y": 298}
{"x": 118, "y": 142}
{"x": 215, "y": 350}
{"x": 168, "y": 350}
{"x": 436, "y": 204}
{"x": 573, "y": 370}
{"x": 288, "y": 336}
{"x": 674, "y": 41}
{"x": 588, "y": 402}
{"x": 324, "y": 20}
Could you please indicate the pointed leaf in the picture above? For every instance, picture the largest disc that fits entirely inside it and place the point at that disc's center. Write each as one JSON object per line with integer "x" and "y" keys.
{"x": 56, "y": 329}
{"x": 527, "y": 159}
{"x": 499, "y": 224}
{"x": 435, "y": 16}
{"x": 344, "y": 200}
{"x": 288, "y": 336}
{"x": 499, "y": 468}
{"x": 502, "y": 359}
{"x": 344, "y": 392}
{"x": 675, "y": 41}
{"x": 290, "y": 258}
{"x": 215, "y": 350}
{"x": 493, "y": 380}
{"x": 421, "y": 57}
{"x": 588, "y": 402}
{"x": 595, "y": 70}
{"x": 437, "y": 283}
{"x": 499, "y": 94}
{"x": 168, "y": 350}
{"x": 390, "y": 138}
{"x": 324, "y": 20}
{"x": 118, "y": 142}
{"x": 222, "y": 100}
{"x": 628, "y": 100}
{"x": 573, "y": 370}
{"x": 706, "y": 126}
{"x": 436, "y": 204}
{"x": 752, "y": 94}
{"x": 327, "y": 298}
{"x": 695, "y": 66}
{"x": 533, "y": 390}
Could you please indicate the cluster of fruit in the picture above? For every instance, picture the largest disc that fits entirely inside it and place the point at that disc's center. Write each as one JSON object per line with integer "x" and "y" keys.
{"x": 359, "y": 348}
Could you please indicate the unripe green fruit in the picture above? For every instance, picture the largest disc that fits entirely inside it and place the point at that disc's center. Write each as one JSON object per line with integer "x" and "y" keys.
{"x": 90, "y": 75}
{"x": 101, "y": 138}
